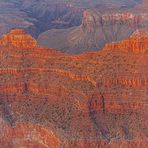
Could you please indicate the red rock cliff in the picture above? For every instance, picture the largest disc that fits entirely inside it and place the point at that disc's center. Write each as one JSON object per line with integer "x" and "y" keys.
{"x": 88, "y": 100}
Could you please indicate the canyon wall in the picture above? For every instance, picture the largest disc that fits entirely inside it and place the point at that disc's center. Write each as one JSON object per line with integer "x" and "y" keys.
{"x": 99, "y": 26}
{"x": 96, "y": 99}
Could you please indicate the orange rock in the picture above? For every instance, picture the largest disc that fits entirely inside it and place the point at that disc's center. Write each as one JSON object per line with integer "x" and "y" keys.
{"x": 88, "y": 100}
{"x": 135, "y": 44}
{"x": 28, "y": 135}
{"x": 19, "y": 39}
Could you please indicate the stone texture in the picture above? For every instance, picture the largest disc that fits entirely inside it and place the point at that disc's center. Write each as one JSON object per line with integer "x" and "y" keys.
{"x": 96, "y": 99}
{"x": 99, "y": 26}
{"x": 19, "y": 39}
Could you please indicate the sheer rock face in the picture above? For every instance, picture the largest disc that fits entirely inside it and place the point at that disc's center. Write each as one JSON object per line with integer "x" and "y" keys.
{"x": 88, "y": 100}
{"x": 39, "y": 16}
{"x": 98, "y": 27}
{"x": 111, "y": 17}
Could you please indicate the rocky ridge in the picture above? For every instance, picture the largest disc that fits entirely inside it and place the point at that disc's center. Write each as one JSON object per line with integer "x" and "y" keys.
{"x": 19, "y": 39}
{"x": 47, "y": 89}
{"x": 98, "y": 27}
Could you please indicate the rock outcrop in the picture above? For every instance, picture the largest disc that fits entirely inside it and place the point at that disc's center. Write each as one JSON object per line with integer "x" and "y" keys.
{"x": 136, "y": 44}
{"x": 38, "y": 16}
{"x": 19, "y": 39}
{"x": 53, "y": 99}
{"x": 98, "y": 27}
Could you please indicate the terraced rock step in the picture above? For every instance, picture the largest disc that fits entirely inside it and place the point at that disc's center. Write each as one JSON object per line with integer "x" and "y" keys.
{"x": 49, "y": 98}
{"x": 100, "y": 26}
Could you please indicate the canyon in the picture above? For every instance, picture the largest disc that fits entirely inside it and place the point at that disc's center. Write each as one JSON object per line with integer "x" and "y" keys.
{"x": 76, "y": 24}
{"x": 55, "y": 99}
{"x": 99, "y": 26}
{"x": 37, "y": 16}
{"x": 73, "y": 73}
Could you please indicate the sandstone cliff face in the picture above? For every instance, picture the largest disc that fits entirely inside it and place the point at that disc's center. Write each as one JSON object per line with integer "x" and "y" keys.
{"x": 98, "y": 27}
{"x": 104, "y": 92}
{"x": 36, "y": 17}
{"x": 112, "y": 18}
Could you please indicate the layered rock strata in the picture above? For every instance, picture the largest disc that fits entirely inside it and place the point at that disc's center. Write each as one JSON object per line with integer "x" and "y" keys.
{"x": 49, "y": 98}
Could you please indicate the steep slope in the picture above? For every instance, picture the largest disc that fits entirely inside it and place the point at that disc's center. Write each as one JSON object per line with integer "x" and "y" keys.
{"x": 11, "y": 17}
{"x": 37, "y": 16}
{"x": 85, "y": 100}
{"x": 99, "y": 26}
{"x": 27, "y": 135}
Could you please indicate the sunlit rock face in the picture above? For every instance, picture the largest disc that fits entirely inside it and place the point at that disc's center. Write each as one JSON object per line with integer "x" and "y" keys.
{"x": 18, "y": 38}
{"x": 53, "y": 99}
{"x": 136, "y": 44}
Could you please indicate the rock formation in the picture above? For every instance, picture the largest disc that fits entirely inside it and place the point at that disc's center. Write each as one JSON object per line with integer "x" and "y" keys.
{"x": 81, "y": 25}
{"x": 53, "y": 99}
{"x": 99, "y": 26}
{"x": 136, "y": 44}
{"x": 37, "y": 16}
{"x": 19, "y": 39}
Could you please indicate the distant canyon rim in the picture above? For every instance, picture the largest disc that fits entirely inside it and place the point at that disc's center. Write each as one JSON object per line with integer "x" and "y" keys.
{"x": 77, "y": 26}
